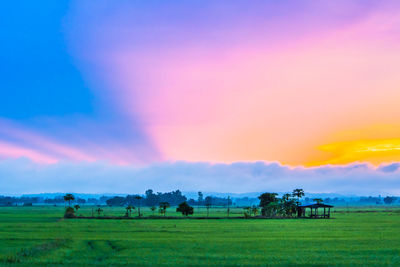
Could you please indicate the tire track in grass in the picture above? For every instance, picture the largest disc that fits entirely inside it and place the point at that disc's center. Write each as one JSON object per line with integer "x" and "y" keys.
{"x": 29, "y": 254}
{"x": 101, "y": 251}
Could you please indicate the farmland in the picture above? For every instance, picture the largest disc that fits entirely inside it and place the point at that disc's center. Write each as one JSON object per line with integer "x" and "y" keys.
{"x": 39, "y": 236}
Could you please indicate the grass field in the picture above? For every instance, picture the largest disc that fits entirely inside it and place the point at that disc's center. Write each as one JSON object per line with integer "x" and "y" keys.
{"x": 39, "y": 236}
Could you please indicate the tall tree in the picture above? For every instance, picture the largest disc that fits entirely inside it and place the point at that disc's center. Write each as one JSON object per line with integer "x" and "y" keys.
{"x": 139, "y": 199}
{"x": 153, "y": 209}
{"x": 229, "y": 202}
{"x": 69, "y": 198}
{"x": 299, "y": 193}
{"x": 151, "y": 198}
{"x": 267, "y": 203}
{"x": 200, "y": 198}
{"x": 129, "y": 210}
{"x": 163, "y": 207}
{"x": 208, "y": 203}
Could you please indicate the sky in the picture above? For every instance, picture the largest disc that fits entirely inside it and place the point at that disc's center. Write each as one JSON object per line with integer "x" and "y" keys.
{"x": 224, "y": 96}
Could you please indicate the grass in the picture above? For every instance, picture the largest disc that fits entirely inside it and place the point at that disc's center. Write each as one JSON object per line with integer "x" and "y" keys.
{"x": 38, "y": 236}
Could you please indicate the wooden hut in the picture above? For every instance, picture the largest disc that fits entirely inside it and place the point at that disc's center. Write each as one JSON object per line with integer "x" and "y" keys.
{"x": 314, "y": 211}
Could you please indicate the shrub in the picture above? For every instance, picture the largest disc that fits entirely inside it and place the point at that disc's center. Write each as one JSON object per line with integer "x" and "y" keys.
{"x": 69, "y": 213}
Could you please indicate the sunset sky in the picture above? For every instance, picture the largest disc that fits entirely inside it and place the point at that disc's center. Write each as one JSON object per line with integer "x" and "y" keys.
{"x": 221, "y": 96}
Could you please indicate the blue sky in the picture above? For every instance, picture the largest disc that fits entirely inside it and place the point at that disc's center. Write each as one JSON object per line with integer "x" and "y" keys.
{"x": 178, "y": 94}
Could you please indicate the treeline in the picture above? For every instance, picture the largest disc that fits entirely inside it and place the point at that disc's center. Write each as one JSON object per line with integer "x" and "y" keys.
{"x": 150, "y": 199}
{"x": 174, "y": 198}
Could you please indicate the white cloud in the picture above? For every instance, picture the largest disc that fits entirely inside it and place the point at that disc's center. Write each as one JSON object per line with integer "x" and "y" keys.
{"x": 24, "y": 176}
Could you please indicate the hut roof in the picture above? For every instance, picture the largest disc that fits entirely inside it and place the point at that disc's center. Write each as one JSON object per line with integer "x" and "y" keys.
{"x": 317, "y": 205}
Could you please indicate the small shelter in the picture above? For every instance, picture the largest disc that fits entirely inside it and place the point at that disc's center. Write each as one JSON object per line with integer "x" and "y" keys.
{"x": 314, "y": 214}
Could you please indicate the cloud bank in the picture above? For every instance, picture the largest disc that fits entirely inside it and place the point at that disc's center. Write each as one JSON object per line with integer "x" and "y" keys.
{"x": 21, "y": 176}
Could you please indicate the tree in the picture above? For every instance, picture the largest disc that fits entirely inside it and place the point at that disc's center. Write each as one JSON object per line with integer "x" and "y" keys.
{"x": 200, "y": 198}
{"x": 139, "y": 199}
{"x": 288, "y": 205}
{"x": 153, "y": 209}
{"x": 69, "y": 213}
{"x": 318, "y": 200}
{"x": 99, "y": 210}
{"x": 247, "y": 212}
{"x": 151, "y": 198}
{"x": 163, "y": 207}
{"x": 286, "y": 197}
{"x": 185, "y": 209}
{"x": 116, "y": 201}
{"x": 129, "y": 210}
{"x": 229, "y": 200}
{"x": 208, "y": 204}
{"x": 266, "y": 200}
{"x": 389, "y": 200}
{"x": 77, "y": 207}
{"x": 254, "y": 210}
{"x": 299, "y": 193}
{"x": 69, "y": 198}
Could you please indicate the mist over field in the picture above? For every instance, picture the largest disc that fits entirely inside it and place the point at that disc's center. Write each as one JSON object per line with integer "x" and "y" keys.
{"x": 24, "y": 176}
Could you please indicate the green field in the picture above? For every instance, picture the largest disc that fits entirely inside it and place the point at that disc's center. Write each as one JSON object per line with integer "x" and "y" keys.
{"x": 39, "y": 236}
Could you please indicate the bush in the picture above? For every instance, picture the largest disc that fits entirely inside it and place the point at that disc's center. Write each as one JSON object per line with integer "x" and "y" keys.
{"x": 247, "y": 215}
{"x": 69, "y": 213}
{"x": 185, "y": 209}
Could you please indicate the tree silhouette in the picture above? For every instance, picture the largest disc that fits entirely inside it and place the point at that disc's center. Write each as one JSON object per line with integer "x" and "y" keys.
{"x": 286, "y": 197}
{"x": 299, "y": 193}
{"x": 254, "y": 210}
{"x": 207, "y": 203}
{"x": 389, "y": 200}
{"x": 228, "y": 210}
{"x": 318, "y": 200}
{"x": 69, "y": 198}
{"x": 247, "y": 212}
{"x": 139, "y": 199}
{"x": 99, "y": 210}
{"x": 153, "y": 209}
{"x": 185, "y": 209}
{"x": 268, "y": 203}
{"x": 163, "y": 207}
{"x": 129, "y": 210}
{"x": 69, "y": 213}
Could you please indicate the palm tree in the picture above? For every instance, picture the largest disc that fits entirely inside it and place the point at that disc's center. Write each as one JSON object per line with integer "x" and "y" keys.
{"x": 299, "y": 193}
{"x": 163, "y": 207}
{"x": 139, "y": 199}
{"x": 69, "y": 198}
{"x": 129, "y": 210}
{"x": 153, "y": 209}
